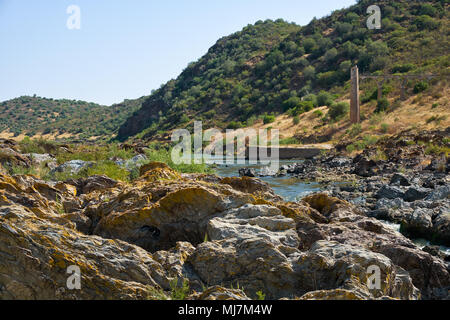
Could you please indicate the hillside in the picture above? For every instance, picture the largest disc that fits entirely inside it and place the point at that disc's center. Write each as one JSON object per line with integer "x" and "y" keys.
{"x": 276, "y": 69}
{"x": 71, "y": 119}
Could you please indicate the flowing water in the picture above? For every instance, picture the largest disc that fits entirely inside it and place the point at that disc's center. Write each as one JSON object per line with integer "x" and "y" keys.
{"x": 292, "y": 189}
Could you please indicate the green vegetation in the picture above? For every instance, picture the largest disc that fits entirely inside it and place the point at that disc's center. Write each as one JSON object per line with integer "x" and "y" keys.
{"x": 39, "y": 116}
{"x": 162, "y": 154}
{"x": 269, "y": 119}
{"x": 179, "y": 292}
{"x": 288, "y": 141}
{"x": 367, "y": 140}
{"x": 338, "y": 110}
{"x": 384, "y": 127}
{"x": 260, "y": 295}
{"x": 102, "y": 156}
{"x": 382, "y": 105}
{"x": 275, "y": 66}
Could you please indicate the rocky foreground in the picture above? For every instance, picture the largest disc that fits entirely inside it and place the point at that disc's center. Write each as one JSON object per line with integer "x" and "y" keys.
{"x": 132, "y": 240}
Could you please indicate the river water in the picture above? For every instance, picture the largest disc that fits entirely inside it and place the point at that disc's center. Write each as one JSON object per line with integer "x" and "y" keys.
{"x": 292, "y": 189}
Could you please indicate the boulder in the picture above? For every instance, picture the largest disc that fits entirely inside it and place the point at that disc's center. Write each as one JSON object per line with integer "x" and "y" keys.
{"x": 72, "y": 166}
{"x": 247, "y": 172}
{"x": 441, "y": 228}
{"x": 389, "y": 192}
{"x": 399, "y": 179}
{"x": 440, "y": 193}
{"x": 36, "y": 255}
{"x": 415, "y": 193}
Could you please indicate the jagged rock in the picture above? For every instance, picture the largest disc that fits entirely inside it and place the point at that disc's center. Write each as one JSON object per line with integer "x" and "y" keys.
{"x": 334, "y": 294}
{"x": 72, "y": 166}
{"x": 249, "y": 221}
{"x": 339, "y": 162}
{"x": 251, "y": 185}
{"x": 35, "y": 255}
{"x": 246, "y": 172}
{"x": 399, "y": 179}
{"x": 132, "y": 240}
{"x": 441, "y": 228}
{"x": 180, "y": 215}
{"x": 364, "y": 167}
{"x": 440, "y": 193}
{"x": 155, "y": 171}
{"x": 38, "y": 159}
{"x": 10, "y": 157}
{"x": 390, "y": 192}
{"x": 136, "y": 162}
{"x": 415, "y": 193}
{"x": 266, "y": 171}
{"x": 92, "y": 183}
{"x": 418, "y": 223}
{"x": 429, "y": 274}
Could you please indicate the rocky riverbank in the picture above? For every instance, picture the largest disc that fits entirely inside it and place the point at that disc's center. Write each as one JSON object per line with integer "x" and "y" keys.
{"x": 133, "y": 241}
{"x": 405, "y": 185}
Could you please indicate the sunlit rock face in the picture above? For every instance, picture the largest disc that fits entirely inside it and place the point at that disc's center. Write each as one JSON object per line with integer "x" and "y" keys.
{"x": 131, "y": 241}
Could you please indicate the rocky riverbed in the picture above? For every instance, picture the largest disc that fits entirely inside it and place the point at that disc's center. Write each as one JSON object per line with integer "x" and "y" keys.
{"x": 232, "y": 237}
{"x": 216, "y": 234}
{"x": 407, "y": 187}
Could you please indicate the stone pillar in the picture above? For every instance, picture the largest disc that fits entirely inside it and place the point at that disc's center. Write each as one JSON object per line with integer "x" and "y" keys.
{"x": 354, "y": 96}
{"x": 403, "y": 90}
{"x": 380, "y": 90}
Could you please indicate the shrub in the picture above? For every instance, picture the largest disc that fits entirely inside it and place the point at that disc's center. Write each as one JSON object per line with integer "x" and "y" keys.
{"x": 426, "y": 22}
{"x": 292, "y": 103}
{"x": 324, "y": 99}
{"x": 402, "y": 68}
{"x": 350, "y": 148}
{"x": 291, "y": 140}
{"x": 382, "y": 105}
{"x": 384, "y": 127}
{"x": 338, "y": 110}
{"x": 355, "y": 130}
{"x": 318, "y": 113}
{"x": 161, "y": 154}
{"x": 268, "y": 119}
{"x": 235, "y": 125}
{"x": 421, "y": 86}
{"x": 296, "y": 120}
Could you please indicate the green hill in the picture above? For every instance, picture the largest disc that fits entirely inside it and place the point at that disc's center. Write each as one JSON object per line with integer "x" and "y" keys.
{"x": 276, "y": 67}
{"x": 78, "y": 119}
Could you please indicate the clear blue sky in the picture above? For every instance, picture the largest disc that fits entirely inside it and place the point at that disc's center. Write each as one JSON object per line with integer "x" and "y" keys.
{"x": 125, "y": 48}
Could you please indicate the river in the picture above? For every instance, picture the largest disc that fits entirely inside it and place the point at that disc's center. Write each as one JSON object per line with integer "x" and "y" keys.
{"x": 293, "y": 189}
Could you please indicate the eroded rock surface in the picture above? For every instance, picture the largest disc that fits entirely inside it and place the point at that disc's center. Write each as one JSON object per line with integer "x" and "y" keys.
{"x": 133, "y": 241}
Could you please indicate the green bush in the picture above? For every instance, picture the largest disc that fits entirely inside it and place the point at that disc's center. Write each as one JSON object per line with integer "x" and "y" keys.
{"x": 355, "y": 130}
{"x": 421, "y": 86}
{"x": 384, "y": 127}
{"x": 324, "y": 99}
{"x": 269, "y": 119}
{"x": 382, "y": 105}
{"x": 403, "y": 68}
{"x": 426, "y": 22}
{"x": 338, "y": 110}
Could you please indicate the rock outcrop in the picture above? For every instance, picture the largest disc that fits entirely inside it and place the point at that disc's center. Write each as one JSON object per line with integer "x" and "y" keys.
{"x": 134, "y": 241}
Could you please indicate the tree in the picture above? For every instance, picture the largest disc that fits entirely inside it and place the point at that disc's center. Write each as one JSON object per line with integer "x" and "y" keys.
{"x": 309, "y": 73}
{"x": 324, "y": 99}
{"x": 338, "y": 110}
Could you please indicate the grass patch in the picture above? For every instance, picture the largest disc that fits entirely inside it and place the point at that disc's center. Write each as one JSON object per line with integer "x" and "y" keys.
{"x": 161, "y": 154}
{"x": 291, "y": 140}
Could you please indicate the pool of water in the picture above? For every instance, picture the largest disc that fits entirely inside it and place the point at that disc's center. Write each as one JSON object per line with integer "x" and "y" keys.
{"x": 421, "y": 243}
{"x": 290, "y": 188}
